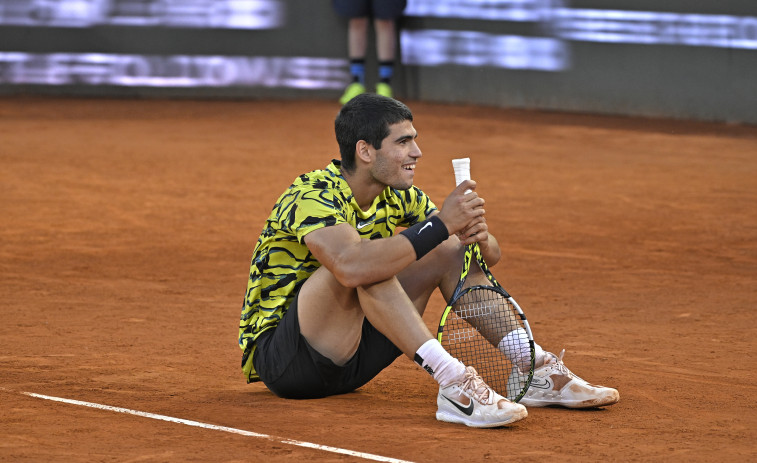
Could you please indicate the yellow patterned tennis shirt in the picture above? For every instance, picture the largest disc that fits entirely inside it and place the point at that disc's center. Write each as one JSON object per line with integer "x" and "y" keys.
{"x": 282, "y": 262}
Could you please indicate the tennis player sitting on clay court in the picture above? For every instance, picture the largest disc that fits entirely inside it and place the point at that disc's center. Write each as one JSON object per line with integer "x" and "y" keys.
{"x": 336, "y": 293}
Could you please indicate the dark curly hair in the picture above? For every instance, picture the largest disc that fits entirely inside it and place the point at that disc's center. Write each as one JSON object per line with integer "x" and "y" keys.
{"x": 366, "y": 117}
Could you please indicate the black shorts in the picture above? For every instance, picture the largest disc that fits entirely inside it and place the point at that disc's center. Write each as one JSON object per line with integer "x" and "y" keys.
{"x": 292, "y": 369}
{"x": 378, "y": 9}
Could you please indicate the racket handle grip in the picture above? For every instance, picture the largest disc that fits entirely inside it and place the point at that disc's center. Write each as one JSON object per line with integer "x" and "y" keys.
{"x": 462, "y": 170}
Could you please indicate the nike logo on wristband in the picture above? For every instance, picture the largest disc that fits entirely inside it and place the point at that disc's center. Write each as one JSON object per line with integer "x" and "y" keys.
{"x": 428, "y": 224}
{"x": 467, "y": 410}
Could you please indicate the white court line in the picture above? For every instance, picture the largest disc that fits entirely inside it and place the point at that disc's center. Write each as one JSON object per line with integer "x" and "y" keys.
{"x": 325, "y": 448}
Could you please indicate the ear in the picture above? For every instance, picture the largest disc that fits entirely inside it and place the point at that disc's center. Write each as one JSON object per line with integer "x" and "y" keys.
{"x": 364, "y": 151}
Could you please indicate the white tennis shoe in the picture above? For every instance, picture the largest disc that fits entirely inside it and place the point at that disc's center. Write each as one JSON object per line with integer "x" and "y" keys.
{"x": 473, "y": 403}
{"x": 555, "y": 385}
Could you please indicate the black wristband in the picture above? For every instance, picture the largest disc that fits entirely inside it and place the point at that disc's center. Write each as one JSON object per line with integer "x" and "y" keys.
{"x": 426, "y": 235}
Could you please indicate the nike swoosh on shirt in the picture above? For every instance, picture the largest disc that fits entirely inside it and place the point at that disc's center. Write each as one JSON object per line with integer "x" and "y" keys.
{"x": 467, "y": 410}
{"x": 363, "y": 224}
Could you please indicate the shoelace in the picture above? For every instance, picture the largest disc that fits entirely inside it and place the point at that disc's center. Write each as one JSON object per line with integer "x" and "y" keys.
{"x": 560, "y": 366}
{"x": 475, "y": 383}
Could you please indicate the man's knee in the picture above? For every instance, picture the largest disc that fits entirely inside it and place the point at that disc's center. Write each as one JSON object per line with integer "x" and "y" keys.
{"x": 436, "y": 269}
{"x": 450, "y": 253}
{"x": 323, "y": 288}
{"x": 445, "y": 258}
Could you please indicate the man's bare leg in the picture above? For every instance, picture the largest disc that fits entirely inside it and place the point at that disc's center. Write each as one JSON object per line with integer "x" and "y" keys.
{"x": 331, "y": 318}
{"x": 386, "y": 39}
{"x": 357, "y": 37}
{"x": 331, "y": 315}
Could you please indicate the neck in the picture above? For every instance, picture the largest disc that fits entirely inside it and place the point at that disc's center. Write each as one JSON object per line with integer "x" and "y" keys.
{"x": 364, "y": 188}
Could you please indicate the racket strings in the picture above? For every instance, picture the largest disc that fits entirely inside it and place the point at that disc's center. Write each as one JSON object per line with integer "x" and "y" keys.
{"x": 476, "y": 333}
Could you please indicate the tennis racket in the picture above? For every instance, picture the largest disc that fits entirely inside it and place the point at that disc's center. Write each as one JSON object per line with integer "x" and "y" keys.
{"x": 484, "y": 327}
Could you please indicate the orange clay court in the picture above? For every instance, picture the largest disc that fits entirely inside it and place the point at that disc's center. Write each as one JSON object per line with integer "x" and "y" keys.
{"x": 127, "y": 229}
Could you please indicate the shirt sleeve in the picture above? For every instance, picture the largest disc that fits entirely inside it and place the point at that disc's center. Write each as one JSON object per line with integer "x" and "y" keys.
{"x": 315, "y": 209}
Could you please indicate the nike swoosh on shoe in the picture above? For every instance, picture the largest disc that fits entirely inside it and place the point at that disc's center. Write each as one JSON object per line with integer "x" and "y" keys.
{"x": 541, "y": 383}
{"x": 467, "y": 410}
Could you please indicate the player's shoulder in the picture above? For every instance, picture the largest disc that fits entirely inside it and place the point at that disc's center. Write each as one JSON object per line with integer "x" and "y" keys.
{"x": 322, "y": 179}
{"x": 411, "y": 194}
